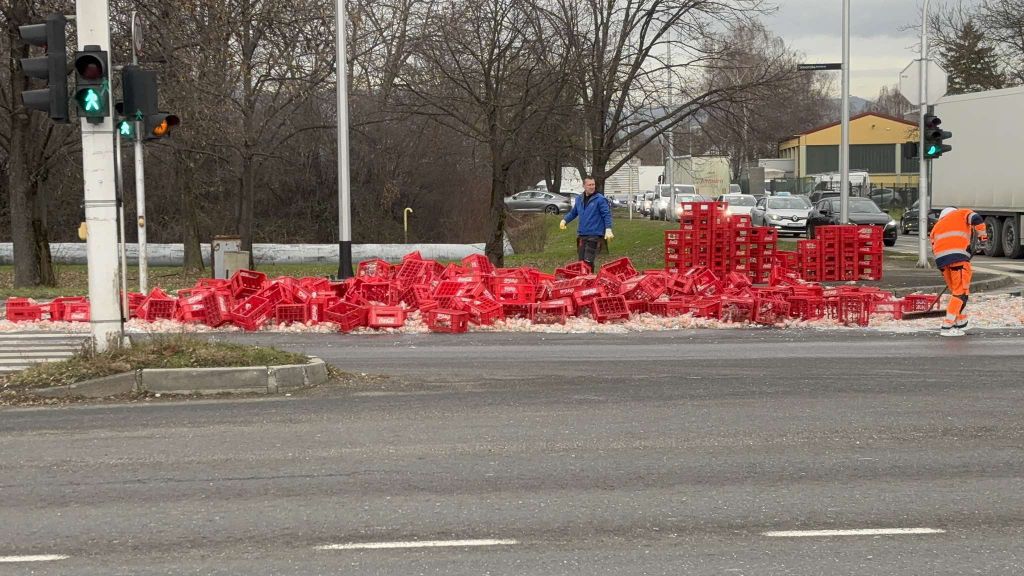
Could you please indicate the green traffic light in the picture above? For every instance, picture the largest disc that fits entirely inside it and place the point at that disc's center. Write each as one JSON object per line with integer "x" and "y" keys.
{"x": 932, "y": 150}
{"x": 125, "y": 129}
{"x": 91, "y": 101}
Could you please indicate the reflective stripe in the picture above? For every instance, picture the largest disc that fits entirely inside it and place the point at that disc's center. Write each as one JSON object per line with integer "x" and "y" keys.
{"x": 950, "y": 317}
{"x": 949, "y": 252}
{"x": 952, "y": 234}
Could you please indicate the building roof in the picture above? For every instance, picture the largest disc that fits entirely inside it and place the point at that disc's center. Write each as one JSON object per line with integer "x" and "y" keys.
{"x": 852, "y": 118}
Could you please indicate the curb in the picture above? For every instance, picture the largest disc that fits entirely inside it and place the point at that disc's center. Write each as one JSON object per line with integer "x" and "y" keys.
{"x": 242, "y": 380}
{"x": 1000, "y": 281}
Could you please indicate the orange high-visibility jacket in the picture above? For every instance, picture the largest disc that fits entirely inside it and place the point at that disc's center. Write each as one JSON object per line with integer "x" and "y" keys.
{"x": 951, "y": 236}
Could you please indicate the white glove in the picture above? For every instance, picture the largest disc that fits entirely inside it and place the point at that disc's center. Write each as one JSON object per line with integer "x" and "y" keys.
{"x": 561, "y": 224}
{"x": 608, "y": 234}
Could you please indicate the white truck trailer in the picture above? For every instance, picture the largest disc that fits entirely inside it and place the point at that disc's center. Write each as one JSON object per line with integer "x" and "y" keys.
{"x": 980, "y": 172}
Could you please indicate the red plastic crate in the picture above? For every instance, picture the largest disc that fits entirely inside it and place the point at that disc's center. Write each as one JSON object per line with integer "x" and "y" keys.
{"x": 582, "y": 297}
{"x": 738, "y": 308}
{"x": 649, "y": 288}
{"x": 374, "y": 268}
{"x": 346, "y": 315}
{"x": 524, "y": 311}
{"x": 919, "y": 302}
{"x": 807, "y": 307}
{"x": 516, "y": 293}
{"x": 246, "y": 283}
{"x": 478, "y": 263}
{"x": 484, "y": 311}
{"x": 385, "y": 317}
{"x": 252, "y": 313}
{"x": 770, "y": 311}
{"x": 703, "y": 307}
{"x": 158, "y": 306}
{"x": 289, "y": 313}
{"x": 57, "y": 306}
{"x": 76, "y": 312}
{"x": 668, "y": 307}
{"x": 609, "y": 308}
{"x": 23, "y": 310}
{"x": 553, "y": 311}
{"x": 573, "y": 270}
{"x": 448, "y": 321}
{"x": 704, "y": 282}
{"x": 621, "y": 269}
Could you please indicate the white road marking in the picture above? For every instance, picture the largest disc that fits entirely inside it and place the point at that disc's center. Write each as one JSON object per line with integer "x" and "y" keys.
{"x": 37, "y": 558}
{"x": 415, "y": 544}
{"x": 863, "y": 532}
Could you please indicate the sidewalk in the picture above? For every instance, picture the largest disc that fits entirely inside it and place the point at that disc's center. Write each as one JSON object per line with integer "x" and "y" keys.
{"x": 904, "y": 277}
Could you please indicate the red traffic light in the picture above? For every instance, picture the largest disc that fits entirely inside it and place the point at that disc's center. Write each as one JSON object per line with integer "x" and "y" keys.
{"x": 89, "y": 67}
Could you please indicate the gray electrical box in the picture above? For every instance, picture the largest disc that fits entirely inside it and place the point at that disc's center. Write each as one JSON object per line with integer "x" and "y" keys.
{"x": 235, "y": 260}
{"x": 219, "y": 246}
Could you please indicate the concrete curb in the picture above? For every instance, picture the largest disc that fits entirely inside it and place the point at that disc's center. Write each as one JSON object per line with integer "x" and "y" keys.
{"x": 243, "y": 380}
{"x": 999, "y": 282}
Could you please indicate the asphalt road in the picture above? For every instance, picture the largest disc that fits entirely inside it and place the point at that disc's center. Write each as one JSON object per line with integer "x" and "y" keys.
{"x": 656, "y": 453}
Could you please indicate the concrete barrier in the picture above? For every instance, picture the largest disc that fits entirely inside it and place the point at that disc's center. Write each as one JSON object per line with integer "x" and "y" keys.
{"x": 174, "y": 254}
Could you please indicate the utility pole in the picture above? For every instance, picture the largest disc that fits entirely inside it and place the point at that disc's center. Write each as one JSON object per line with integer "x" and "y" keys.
{"x": 100, "y": 197}
{"x": 344, "y": 196}
{"x": 844, "y": 145}
{"x": 923, "y": 198}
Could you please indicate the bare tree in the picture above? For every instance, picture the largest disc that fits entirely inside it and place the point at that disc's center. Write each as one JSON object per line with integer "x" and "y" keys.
{"x": 484, "y": 70}
{"x": 892, "y": 102}
{"x": 619, "y": 49}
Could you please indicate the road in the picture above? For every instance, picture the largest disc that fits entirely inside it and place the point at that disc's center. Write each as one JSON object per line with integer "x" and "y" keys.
{"x": 655, "y": 453}
{"x": 1015, "y": 268}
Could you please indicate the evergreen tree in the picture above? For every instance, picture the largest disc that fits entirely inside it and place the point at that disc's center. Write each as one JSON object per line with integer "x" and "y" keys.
{"x": 970, "y": 61}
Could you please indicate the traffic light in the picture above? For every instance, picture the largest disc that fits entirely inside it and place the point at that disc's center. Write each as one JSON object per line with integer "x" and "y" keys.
{"x": 141, "y": 103}
{"x": 910, "y": 150}
{"x": 53, "y": 67}
{"x": 92, "y": 84}
{"x": 934, "y": 136}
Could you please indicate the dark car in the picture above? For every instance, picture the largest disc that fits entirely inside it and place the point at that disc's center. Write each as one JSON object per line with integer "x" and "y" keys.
{"x": 908, "y": 222}
{"x": 861, "y": 211}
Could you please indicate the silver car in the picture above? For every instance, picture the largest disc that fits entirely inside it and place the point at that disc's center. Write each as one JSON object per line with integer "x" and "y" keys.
{"x": 538, "y": 201}
{"x": 786, "y": 213}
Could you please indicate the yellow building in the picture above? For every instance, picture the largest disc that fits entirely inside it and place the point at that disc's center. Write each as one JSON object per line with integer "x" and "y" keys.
{"x": 874, "y": 147}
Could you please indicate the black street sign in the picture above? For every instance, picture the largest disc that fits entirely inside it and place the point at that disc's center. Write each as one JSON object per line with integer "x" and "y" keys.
{"x": 825, "y": 66}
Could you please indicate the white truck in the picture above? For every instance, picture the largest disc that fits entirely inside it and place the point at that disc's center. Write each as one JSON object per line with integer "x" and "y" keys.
{"x": 980, "y": 172}
{"x": 708, "y": 174}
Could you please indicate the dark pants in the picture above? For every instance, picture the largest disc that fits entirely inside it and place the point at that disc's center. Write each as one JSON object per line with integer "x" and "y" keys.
{"x": 587, "y": 248}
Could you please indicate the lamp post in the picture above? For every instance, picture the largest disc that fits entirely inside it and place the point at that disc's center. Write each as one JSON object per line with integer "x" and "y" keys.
{"x": 844, "y": 144}
{"x": 344, "y": 198}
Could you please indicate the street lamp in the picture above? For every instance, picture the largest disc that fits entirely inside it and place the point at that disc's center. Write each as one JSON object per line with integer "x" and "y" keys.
{"x": 405, "y": 222}
{"x": 344, "y": 208}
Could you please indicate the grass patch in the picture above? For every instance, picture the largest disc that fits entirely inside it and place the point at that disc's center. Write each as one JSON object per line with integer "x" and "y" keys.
{"x": 642, "y": 240}
{"x": 171, "y": 351}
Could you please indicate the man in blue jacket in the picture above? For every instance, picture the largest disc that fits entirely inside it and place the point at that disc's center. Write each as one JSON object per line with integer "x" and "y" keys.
{"x": 595, "y": 223}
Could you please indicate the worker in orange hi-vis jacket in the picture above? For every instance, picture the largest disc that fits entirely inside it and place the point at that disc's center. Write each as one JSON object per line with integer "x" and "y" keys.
{"x": 951, "y": 245}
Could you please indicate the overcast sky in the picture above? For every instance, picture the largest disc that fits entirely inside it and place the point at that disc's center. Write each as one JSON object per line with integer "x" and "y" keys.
{"x": 881, "y": 41}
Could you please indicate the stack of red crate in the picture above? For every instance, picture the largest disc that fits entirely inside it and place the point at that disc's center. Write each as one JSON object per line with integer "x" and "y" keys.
{"x": 762, "y": 253}
{"x": 869, "y": 252}
{"x": 704, "y": 238}
{"x": 809, "y": 260}
{"x": 838, "y": 245}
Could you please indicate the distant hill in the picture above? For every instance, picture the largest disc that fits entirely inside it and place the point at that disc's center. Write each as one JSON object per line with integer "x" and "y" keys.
{"x": 857, "y": 105}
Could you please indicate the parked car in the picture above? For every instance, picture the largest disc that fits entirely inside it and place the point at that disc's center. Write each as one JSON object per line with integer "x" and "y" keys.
{"x": 786, "y": 213}
{"x": 538, "y": 201}
{"x": 908, "y": 222}
{"x": 739, "y": 203}
{"x": 735, "y": 189}
{"x": 861, "y": 211}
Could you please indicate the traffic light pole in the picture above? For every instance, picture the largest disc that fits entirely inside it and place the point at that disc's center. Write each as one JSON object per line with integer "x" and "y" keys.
{"x": 844, "y": 144}
{"x": 140, "y": 183}
{"x": 100, "y": 196}
{"x": 923, "y": 198}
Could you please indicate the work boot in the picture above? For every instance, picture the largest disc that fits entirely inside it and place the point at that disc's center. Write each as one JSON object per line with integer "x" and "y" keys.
{"x": 961, "y": 325}
{"x": 951, "y": 331}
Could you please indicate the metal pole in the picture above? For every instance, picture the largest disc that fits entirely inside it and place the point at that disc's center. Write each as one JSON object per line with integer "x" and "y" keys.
{"x": 140, "y": 187}
{"x": 92, "y": 17}
{"x": 671, "y": 165}
{"x": 119, "y": 186}
{"x": 344, "y": 198}
{"x": 844, "y": 145}
{"x": 923, "y": 198}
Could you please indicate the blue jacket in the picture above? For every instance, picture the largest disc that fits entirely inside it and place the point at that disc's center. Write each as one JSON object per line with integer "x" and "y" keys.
{"x": 593, "y": 213}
